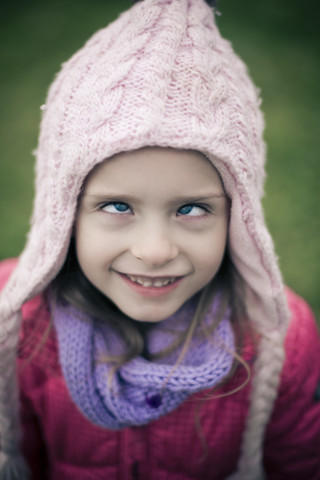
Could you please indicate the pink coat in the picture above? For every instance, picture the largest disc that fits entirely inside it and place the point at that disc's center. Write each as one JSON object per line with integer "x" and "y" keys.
{"x": 60, "y": 444}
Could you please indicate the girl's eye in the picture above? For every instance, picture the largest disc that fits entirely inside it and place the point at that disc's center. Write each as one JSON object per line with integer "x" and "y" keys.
{"x": 192, "y": 210}
{"x": 116, "y": 207}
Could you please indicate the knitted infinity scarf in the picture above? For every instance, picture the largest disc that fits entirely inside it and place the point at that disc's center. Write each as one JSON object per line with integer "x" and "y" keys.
{"x": 141, "y": 390}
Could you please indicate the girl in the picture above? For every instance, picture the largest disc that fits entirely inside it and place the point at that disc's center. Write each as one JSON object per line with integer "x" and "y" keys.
{"x": 154, "y": 336}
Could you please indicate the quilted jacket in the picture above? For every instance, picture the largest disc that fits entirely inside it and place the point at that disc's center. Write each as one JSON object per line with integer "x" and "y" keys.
{"x": 201, "y": 439}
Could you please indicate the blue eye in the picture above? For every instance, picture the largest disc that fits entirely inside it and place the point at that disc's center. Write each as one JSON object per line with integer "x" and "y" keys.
{"x": 116, "y": 207}
{"x": 192, "y": 210}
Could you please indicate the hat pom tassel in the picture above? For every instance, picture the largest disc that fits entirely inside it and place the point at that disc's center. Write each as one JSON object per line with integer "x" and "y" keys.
{"x": 13, "y": 467}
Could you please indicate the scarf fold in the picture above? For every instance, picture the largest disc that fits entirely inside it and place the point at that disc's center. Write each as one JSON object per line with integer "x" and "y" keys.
{"x": 141, "y": 390}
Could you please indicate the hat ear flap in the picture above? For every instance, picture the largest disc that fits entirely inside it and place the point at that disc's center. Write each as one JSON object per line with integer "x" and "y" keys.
{"x": 13, "y": 467}
{"x": 12, "y": 464}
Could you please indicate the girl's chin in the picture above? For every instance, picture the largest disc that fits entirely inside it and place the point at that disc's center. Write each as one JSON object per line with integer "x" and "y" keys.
{"x": 150, "y": 316}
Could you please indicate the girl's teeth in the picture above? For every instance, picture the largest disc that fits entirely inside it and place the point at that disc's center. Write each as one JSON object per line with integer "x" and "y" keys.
{"x": 146, "y": 282}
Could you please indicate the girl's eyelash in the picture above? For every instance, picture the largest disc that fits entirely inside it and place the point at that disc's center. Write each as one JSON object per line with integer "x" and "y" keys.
{"x": 204, "y": 207}
{"x": 186, "y": 210}
{"x": 116, "y": 206}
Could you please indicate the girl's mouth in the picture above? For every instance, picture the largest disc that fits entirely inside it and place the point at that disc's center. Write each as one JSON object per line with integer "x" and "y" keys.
{"x": 157, "y": 282}
{"x": 151, "y": 286}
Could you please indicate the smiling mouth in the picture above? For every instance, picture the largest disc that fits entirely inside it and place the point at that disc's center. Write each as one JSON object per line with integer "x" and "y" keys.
{"x": 157, "y": 282}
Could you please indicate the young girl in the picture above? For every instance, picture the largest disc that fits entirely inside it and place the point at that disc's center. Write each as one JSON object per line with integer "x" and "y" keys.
{"x": 154, "y": 336}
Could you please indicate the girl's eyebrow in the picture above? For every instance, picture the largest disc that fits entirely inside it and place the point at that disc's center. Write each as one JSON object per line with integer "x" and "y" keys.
{"x": 199, "y": 198}
{"x": 106, "y": 195}
{"x": 178, "y": 199}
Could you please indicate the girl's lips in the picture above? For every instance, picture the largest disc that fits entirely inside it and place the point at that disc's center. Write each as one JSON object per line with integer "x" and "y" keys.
{"x": 151, "y": 290}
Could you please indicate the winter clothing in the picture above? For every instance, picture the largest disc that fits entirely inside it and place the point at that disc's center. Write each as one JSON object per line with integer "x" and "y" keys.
{"x": 142, "y": 390}
{"x": 160, "y": 75}
{"x": 60, "y": 443}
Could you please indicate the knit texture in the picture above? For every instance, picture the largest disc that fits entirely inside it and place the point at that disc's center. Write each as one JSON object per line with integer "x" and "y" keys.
{"x": 141, "y": 390}
{"x": 159, "y": 75}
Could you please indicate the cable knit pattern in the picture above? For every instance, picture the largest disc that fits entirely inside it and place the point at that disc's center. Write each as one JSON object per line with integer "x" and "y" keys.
{"x": 141, "y": 390}
{"x": 159, "y": 75}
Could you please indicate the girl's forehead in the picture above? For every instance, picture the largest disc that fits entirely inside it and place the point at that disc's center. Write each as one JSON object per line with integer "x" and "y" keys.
{"x": 151, "y": 166}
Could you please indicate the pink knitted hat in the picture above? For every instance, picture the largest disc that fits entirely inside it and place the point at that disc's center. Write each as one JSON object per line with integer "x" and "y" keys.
{"x": 159, "y": 75}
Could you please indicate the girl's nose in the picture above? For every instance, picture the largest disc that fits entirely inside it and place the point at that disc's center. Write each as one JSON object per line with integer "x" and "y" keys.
{"x": 155, "y": 248}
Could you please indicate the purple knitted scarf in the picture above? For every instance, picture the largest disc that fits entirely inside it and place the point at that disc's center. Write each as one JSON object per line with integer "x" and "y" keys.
{"x": 141, "y": 390}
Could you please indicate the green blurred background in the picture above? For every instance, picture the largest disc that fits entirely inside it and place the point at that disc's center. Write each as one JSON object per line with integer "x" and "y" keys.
{"x": 278, "y": 39}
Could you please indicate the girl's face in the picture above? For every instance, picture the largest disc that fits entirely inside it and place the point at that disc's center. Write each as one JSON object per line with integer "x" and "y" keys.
{"x": 151, "y": 229}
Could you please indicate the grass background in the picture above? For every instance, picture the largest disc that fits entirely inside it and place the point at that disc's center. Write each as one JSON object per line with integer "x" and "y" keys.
{"x": 278, "y": 39}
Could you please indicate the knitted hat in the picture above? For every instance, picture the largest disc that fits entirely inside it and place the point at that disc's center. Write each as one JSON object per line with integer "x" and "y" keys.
{"x": 160, "y": 75}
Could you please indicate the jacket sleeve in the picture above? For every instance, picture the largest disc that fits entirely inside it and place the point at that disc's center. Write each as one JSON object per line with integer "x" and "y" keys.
{"x": 292, "y": 443}
{"x": 32, "y": 445}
